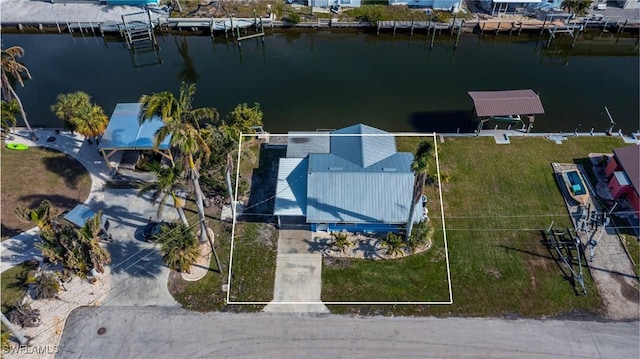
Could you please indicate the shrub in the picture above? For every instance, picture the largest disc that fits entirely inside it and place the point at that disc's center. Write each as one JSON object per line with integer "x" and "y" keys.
{"x": 45, "y": 286}
{"x": 340, "y": 241}
{"x": 293, "y": 18}
{"x": 24, "y": 316}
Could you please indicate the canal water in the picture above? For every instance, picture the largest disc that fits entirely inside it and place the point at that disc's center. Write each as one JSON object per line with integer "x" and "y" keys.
{"x": 318, "y": 79}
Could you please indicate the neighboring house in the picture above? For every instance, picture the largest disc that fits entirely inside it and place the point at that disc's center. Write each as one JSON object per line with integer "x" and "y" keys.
{"x": 341, "y": 3}
{"x": 451, "y": 5}
{"x": 623, "y": 174}
{"x": 498, "y": 7}
{"x": 352, "y": 178}
{"x": 130, "y": 2}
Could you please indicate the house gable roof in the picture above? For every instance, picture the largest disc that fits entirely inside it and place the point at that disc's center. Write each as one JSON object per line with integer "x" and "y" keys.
{"x": 362, "y": 145}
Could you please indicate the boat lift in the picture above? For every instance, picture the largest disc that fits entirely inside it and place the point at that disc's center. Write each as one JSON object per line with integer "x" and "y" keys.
{"x": 569, "y": 249}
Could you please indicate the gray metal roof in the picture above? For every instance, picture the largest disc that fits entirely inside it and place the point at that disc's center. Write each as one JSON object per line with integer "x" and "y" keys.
{"x": 368, "y": 145}
{"x": 291, "y": 188}
{"x": 124, "y": 130}
{"x": 398, "y": 162}
{"x": 363, "y": 197}
{"x": 629, "y": 158}
{"x": 80, "y": 214}
{"x": 301, "y": 143}
{"x": 505, "y": 103}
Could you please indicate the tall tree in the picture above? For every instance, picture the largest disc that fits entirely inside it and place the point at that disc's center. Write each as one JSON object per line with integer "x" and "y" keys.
{"x": 168, "y": 183}
{"x": 14, "y": 72}
{"x": 420, "y": 168}
{"x": 9, "y": 111}
{"x": 77, "y": 113}
{"x": 182, "y": 123}
{"x": 578, "y": 7}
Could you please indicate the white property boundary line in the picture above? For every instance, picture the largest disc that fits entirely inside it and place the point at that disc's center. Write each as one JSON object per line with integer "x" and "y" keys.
{"x": 444, "y": 231}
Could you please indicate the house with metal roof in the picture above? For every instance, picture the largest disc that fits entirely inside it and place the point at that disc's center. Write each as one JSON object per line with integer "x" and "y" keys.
{"x": 623, "y": 175}
{"x": 349, "y": 179}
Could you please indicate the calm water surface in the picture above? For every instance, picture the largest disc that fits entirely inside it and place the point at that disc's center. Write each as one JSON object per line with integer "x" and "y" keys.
{"x": 310, "y": 80}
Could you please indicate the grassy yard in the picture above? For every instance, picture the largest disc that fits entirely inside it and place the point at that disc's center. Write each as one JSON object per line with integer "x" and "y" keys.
{"x": 497, "y": 200}
{"x": 28, "y": 177}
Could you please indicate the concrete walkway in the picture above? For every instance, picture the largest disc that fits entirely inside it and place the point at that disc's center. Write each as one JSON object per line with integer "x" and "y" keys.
{"x": 298, "y": 279}
{"x": 45, "y": 12}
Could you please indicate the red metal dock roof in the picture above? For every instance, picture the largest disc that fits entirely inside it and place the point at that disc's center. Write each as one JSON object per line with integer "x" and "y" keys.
{"x": 505, "y": 103}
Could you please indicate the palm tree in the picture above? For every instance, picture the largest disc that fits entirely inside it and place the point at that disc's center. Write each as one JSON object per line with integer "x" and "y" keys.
{"x": 94, "y": 253}
{"x": 182, "y": 123}
{"x": 420, "y": 167}
{"x": 393, "y": 244}
{"x": 340, "y": 241}
{"x": 179, "y": 246}
{"x": 71, "y": 106}
{"x": 78, "y": 114}
{"x": 578, "y": 7}
{"x": 9, "y": 111}
{"x": 166, "y": 186}
{"x": 94, "y": 124}
{"x": 12, "y": 72}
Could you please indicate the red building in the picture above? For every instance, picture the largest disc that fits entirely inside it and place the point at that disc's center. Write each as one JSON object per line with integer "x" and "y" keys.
{"x": 623, "y": 174}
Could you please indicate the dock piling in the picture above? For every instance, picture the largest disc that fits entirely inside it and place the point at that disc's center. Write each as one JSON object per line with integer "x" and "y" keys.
{"x": 433, "y": 37}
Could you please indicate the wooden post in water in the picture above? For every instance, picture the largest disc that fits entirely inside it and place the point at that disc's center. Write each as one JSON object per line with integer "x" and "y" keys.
{"x": 429, "y": 26}
{"x": 498, "y": 28}
{"x": 394, "y": 27}
{"x": 520, "y": 29}
{"x": 93, "y": 31}
{"x": 543, "y": 24}
{"x": 459, "y": 31}
{"x": 231, "y": 19}
{"x": 262, "y": 30}
{"x": 58, "y": 25}
{"x": 482, "y": 27}
{"x": 621, "y": 29}
{"x": 575, "y": 36}
{"x": 411, "y": 27}
{"x": 255, "y": 20}
{"x": 80, "y": 26}
{"x": 378, "y": 28}
{"x": 433, "y": 37}
{"x": 513, "y": 25}
{"x": 453, "y": 25}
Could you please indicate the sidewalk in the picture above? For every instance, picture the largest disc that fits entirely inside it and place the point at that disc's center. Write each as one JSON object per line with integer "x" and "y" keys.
{"x": 35, "y": 12}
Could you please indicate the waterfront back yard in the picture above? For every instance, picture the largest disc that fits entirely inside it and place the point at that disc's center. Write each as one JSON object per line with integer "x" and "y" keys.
{"x": 497, "y": 199}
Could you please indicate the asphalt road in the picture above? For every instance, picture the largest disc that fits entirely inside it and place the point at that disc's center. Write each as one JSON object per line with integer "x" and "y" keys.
{"x": 156, "y": 332}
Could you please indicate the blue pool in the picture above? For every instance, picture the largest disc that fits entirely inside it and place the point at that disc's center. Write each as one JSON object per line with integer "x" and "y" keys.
{"x": 576, "y": 185}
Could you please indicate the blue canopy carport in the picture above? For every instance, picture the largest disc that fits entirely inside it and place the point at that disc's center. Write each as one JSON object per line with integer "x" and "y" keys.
{"x": 125, "y": 132}
{"x": 506, "y": 106}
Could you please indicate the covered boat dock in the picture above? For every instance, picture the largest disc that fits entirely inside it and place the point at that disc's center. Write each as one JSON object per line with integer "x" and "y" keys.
{"x": 506, "y": 106}
{"x": 125, "y": 132}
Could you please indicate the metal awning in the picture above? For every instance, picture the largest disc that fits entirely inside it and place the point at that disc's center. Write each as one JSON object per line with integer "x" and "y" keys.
{"x": 125, "y": 132}
{"x": 80, "y": 214}
{"x": 505, "y": 103}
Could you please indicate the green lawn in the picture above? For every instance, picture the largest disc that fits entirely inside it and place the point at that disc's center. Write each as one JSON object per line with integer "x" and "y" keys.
{"x": 496, "y": 202}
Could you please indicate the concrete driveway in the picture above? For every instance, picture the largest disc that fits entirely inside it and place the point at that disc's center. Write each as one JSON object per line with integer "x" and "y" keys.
{"x": 298, "y": 280}
{"x": 138, "y": 275}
